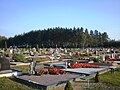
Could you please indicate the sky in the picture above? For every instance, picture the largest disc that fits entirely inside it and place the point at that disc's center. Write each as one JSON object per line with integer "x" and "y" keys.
{"x": 22, "y": 16}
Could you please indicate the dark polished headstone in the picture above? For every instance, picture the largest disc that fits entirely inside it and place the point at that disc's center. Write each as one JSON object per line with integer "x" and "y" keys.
{"x": 4, "y": 64}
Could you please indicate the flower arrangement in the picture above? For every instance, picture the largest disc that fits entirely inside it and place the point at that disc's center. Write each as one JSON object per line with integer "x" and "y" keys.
{"x": 43, "y": 72}
{"x": 84, "y": 65}
{"x": 53, "y": 71}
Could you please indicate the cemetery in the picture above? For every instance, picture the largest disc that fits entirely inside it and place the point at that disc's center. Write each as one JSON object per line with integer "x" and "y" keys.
{"x": 53, "y": 67}
{"x": 60, "y": 45}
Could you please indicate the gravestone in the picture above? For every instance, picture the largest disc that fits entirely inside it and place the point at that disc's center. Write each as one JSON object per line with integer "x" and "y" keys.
{"x": 4, "y": 64}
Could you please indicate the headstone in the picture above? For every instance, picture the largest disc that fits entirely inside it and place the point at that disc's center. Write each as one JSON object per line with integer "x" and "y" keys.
{"x": 65, "y": 50}
{"x": 4, "y": 64}
{"x": 104, "y": 57}
{"x": 66, "y": 64}
{"x": 31, "y": 53}
{"x": 70, "y": 54}
{"x": 51, "y": 50}
{"x": 11, "y": 51}
{"x": 108, "y": 50}
{"x": 87, "y": 50}
{"x": 112, "y": 55}
{"x": 39, "y": 67}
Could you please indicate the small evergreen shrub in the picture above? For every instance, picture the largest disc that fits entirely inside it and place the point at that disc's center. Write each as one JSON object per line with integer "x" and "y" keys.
{"x": 68, "y": 86}
{"x": 96, "y": 59}
{"x": 97, "y": 77}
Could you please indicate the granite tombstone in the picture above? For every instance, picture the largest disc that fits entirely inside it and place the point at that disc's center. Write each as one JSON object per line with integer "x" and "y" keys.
{"x": 4, "y": 64}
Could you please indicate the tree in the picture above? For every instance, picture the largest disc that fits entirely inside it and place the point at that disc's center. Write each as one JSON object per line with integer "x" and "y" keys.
{"x": 62, "y": 37}
{"x": 91, "y": 39}
{"x": 95, "y": 38}
{"x": 5, "y": 45}
{"x": 87, "y": 37}
{"x": 68, "y": 86}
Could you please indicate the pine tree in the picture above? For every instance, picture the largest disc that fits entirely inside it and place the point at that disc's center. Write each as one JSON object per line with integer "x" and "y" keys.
{"x": 5, "y": 45}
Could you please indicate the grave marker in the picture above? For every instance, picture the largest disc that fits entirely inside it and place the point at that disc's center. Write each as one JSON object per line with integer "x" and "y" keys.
{"x": 4, "y": 64}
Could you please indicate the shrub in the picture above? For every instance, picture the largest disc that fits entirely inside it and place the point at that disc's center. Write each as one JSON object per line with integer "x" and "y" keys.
{"x": 6, "y": 54}
{"x": 68, "y": 86}
{"x": 96, "y": 59}
{"x": 97, "y": 77}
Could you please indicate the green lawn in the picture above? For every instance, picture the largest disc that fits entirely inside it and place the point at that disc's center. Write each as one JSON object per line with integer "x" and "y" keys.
{"x": 25, "y": 68}
{"x": 8, "y": 84}
{"x": 111, "y": 78}
{"x": 108, "y": 81}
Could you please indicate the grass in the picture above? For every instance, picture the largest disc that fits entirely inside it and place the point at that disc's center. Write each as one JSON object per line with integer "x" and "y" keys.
{"x": 111, "y": 78}
{"x": 25, "y": 68}
{"x": 8, "y": 84}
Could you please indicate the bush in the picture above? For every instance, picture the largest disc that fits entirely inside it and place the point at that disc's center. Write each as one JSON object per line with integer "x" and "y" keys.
{"x": 19, "y": 58}
{"x": 97, "y": 77}
{"x": 68, "y": 86}
{"x": 6, "y": 54}
{"x": 96, "y": 59}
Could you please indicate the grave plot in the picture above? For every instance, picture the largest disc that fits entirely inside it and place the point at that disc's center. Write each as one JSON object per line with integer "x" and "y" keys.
{"x": 48, "y": 80}
{"x": 81, "y": 68}
{"x": 11, "y": 72}
{"x": 87, "y": 71}
{"x": 18, "y": 63}
{"x": 5, "y": 70}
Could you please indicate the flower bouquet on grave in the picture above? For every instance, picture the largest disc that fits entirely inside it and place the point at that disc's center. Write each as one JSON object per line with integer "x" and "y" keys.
{"x": 56, "y": 71}
{"x": 53, "y": 71}
{"x": 41, "y": 72}
{"x": 84, "y": 65}
{"x": 62, "y": 71}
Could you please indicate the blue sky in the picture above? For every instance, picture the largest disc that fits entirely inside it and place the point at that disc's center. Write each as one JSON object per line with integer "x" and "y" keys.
{"x": 19, "y": 16}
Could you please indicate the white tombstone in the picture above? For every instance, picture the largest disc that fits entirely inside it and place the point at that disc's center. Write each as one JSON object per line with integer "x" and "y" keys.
{"x": 96, "y": 52}
{"x": 87, "y": 50}
{"x": 65, "y": 65}
{"x": 78, "y": 53}
{"x": 51, "y": 50}
{"x": 108, "y": 50}
{"x": 11, "y": 51}
{"x": 31, "y": 53}
{"x": 112, "y": 55}
{"x": 70, "y": 54}
{"x": 104, "y": 57}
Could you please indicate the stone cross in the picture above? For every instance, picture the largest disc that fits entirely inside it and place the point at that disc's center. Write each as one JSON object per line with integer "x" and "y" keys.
{"x": 32, "y": 67}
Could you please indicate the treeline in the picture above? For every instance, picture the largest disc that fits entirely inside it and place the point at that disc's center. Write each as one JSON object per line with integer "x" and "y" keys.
{"x": 59, "y": 37}
{"x": 2, "y": 38}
